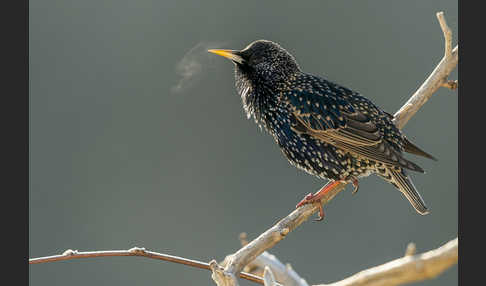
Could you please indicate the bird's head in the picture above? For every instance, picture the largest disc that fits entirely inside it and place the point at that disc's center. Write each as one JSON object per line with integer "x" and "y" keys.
{"x": 260, "y": 69}
{"x": 262, "y": 61}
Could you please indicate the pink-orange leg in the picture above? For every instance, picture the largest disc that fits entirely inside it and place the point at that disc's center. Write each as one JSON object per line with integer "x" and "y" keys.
{"x": 316, "y": 198}
{"x": 355, "y": 185}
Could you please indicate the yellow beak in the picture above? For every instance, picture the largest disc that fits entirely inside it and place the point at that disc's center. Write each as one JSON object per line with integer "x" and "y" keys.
{"x": 230, "y": 54}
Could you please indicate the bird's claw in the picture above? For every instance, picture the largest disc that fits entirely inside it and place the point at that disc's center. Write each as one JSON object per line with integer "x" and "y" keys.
{"x": 321, "y": 213}
{"x": 317, "y": 197}
{"x": 312, "y": 199}
{"x": 306, "y": 200}
{"x": 356, "y": 187}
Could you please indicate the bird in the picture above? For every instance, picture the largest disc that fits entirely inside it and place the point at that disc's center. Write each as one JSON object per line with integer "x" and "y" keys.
{"x": 322, "y": 127}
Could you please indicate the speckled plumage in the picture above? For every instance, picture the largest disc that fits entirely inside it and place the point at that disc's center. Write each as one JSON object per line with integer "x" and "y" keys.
{"x": 321, "y": 127}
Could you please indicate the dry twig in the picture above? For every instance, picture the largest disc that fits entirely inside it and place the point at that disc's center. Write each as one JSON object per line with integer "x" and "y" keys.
{"x": 284, "y": 273}
{"x": 268, "y": 277}
{"x": 411, "y": 249}
{"x": 135, "y": 251}
{"x": 451, "y": 84}
{"x": 407, "y": 269}
{"x": 403, "y": 270}
{"x": 436, "y": 79}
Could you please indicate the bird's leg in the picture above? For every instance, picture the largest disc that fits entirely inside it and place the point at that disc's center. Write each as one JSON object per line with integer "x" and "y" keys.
{"x": 355, "y": 185}
{"x": 316, "y": 198}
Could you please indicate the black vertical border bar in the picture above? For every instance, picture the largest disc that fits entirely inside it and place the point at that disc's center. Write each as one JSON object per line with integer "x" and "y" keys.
{"x": 25, "y": 129}
{"x": 460, "y": 143}
{"x": 472, "y": 143}
{"x": 14, "y": 136}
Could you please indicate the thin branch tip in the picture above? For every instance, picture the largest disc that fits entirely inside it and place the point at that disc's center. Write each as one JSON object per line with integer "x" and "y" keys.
{"x": 411, "y": 249}
{"x": 137, "y": 250}
{"x": 243, "y": 237}
{"x": 447, "y": 34}
{"x": 435, "y": 80}
{"x": 284, "y": 231}
{"x": 70, "y": 252}
{"x": 268, "y": 277}
{"x": 451, "y": 84}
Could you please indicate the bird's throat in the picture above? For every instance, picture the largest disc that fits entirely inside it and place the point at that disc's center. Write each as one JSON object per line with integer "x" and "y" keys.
{"x": 259, "y": 100}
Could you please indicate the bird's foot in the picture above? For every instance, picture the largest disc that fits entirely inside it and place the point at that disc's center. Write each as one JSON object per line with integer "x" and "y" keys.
{"x": 356, "y": 186}
{"x": 316, "y": 198}
{"x": 310, "y": 199}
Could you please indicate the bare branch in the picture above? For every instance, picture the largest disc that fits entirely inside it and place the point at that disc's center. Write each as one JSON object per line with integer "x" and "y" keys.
{"x": 237, "y": 261}
{"x": 400, "y": 271}
{"x": 435, "y": 80}
{"x": 220, "y": 277}
{"x": 276, "y": 233}
{"x": 284, "y": 274}
{"x": 268, "y": 277}
{"x": 407, "y": 269}
{"x": 447, "y": 34}
{"x": 135, "y": 251}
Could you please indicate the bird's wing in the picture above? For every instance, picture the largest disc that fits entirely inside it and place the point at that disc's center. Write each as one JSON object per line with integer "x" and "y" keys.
{"x": 336, "y": 122}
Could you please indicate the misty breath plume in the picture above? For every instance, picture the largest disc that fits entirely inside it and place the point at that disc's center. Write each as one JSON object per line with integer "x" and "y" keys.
{"x": 190, "y": 67}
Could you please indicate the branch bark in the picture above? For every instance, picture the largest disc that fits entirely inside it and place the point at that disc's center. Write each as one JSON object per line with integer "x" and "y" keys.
{"x": 283, "y": 272}
{"x": 268, "y": 277}
{"x": 272, "y": 236}
{"x": 436, "y": 79}
{"x": 237, "y": 261}
{"x": 135, "y": 251}
{"x": 411, "y": 268}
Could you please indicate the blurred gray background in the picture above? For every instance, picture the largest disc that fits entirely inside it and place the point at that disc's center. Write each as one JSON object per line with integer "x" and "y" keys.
{"x": 122, "y": 153}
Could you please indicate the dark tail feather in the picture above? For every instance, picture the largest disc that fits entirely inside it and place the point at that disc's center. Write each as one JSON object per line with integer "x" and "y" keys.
{"x": 413, "y": 149}
{"x": 405, "y": 185}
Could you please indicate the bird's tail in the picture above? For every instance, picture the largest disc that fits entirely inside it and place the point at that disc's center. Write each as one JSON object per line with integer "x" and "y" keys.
{"x": 401, "y": 181}
{"x": 411, "y": 148}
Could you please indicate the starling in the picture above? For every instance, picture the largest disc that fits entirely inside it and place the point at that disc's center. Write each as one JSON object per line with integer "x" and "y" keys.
{"x": 322, "y": 127}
